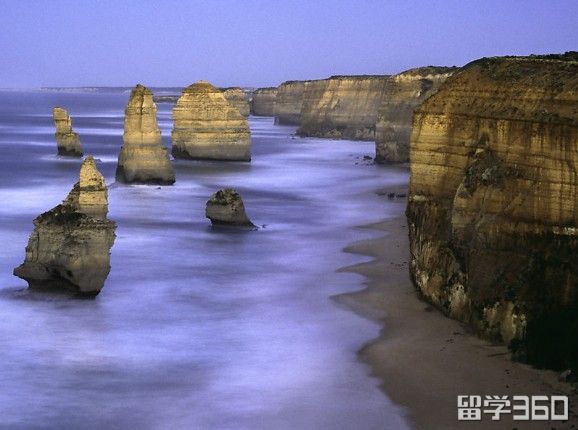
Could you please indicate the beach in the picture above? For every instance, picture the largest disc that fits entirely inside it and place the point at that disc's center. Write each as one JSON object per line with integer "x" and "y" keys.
{"x": 424, "y": 359}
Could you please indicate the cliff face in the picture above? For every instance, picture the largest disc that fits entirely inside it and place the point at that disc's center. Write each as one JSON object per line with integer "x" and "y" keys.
{"x": 67, "y": 140}
{"x": 493, "y": 207}
{"x": 263, "y": 101}
{"x": 288, "y": 102}
{"x": 403, "y": 93}
{"x": 342, "y": 107}
{"x": 70, "y": 245}
{"x": 143, "y": 158}
{"x": 237, "y": 97}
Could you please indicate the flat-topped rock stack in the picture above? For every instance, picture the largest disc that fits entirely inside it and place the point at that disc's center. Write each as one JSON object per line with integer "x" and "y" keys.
{"x": 342, "y": 107}
{"x": 237, "y": 97}
{"x": 69, "y": 248}
{"x": 493, "y": 213}
{"x": 402, "y": 94}
{"x": 263, "y": 101}
{"x": 143, "y": 158}
{"x": 67, "y": 141}
{"x": 207, "y": 126}
{"x": 289, "y": 102}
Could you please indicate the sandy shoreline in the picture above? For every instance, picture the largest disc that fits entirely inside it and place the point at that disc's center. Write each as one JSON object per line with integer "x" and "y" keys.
{"x": 424, "y": 359}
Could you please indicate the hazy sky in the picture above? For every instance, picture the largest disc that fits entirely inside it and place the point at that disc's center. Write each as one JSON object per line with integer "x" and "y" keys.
{"x": 263, "y": 42}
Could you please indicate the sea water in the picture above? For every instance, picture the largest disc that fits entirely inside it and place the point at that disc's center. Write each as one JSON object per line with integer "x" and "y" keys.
{"x": 196, "y": 328}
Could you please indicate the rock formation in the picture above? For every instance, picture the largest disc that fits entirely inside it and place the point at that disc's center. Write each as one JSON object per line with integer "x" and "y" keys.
{"x": 403, "y": 92}
{"x": 237, "y": 97}
{"x": 226, "y": 207}
{"x": 342, "y": 107}
{"x": 207, "y": 126}
{"x": 70, "y": 246}
{"x": 263, "y": 101}
{"x": 67, "y": 140}
{"x": 143, "y": 158}
{"x": 288, "y": 102}
{"x": 493, "y": 205}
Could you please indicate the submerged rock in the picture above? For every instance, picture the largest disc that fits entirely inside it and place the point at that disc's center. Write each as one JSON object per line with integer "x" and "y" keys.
{"x": 67, "y": 140}
{"x": 207, "y": 126}
{"x": 493, "y": 208}
{"x": 226, "y": 207}
{"x": 237, "y": 97}
{"x": 402, "y": 94}
{"x": 143, "y": 158}
{"x": 70, "y": 246}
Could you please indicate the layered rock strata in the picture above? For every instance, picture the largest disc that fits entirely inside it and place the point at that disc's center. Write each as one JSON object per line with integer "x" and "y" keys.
{"x": 289, "y": 102}
{"x": 402, "y": 94}
{"x": 342, "y": 107}
{"x": 226, "y": 207}
{"x": 67, "y": 141}
{"x": 207, "y": 126}
{"x": 143, "y": 158}
{"x": 70, "y": 246}
{"x": 493, "y": 205}
{"x": 263, "y": 102}
{"x": 238, "y": 98}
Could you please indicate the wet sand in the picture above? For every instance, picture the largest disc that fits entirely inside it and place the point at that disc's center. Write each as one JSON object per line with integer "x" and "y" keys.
{"x": 424, "y": 359}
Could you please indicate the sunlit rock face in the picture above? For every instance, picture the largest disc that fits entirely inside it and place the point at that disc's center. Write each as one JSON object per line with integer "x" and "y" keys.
{"x": 237, "y": 97}
{"x": 207, "y": 126}
{"x": 226, "y": 207}
{"x": 288, "y": 102}
{"x": 143, "y": 158}
{"x": 263, "y": 102}
{"x": 342, "y": 107}
{"x": 67, "y": 141}
{"x": 69, "y": 248}
{"x": 493, "y": 205}
{"x": 403, "y": 92}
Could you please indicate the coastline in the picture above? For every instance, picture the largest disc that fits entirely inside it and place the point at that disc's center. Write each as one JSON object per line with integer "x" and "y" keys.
{"x": 424, "y": 359}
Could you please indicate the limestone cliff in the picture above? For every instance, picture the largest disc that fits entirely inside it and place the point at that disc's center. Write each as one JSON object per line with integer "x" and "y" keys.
{"x": 143, "y": 158}
{"x": 70, "y": 246}
{"x": 403, "y": 92}
{"x": 67, "y": 140}
{"x": 493, "y": 205}
{"x": 263, "y": 102}
{"x": 207, "y": 126}
{"x": 237, "y": 97}
{"x": 342, "y": 107}
{"x": 288, "y": 102}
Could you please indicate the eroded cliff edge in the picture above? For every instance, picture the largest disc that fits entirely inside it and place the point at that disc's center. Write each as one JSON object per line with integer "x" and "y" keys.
{"x": 342, "y": 107}
{"x": 493, "y": 208}
{"x": 289, "y": 102}
{"x": 263, "y": 101}
{"x": 402, "y": 94}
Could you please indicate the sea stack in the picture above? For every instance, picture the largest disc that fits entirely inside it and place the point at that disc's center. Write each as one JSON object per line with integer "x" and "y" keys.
{"x": 69, "y": 248}
{"x": 67, "y": 140}
{"x": 237, "y": 97}
{"x": 143, "y": 158}
{"x": 207, "y": 126}
{"x": 226, "y": 207}
{"x": 493, "y": 213}
{"x": 289, "y": 102}
{"x": 402, "y": 93}
{"x": 342, "y": 107}
{"x": 263, "y": 101}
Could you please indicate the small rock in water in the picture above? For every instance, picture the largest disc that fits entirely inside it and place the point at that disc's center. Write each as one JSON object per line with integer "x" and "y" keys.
{"x": 226, "y": 207}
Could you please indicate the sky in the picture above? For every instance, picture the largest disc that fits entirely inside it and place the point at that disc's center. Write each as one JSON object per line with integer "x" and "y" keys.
{"x": 263, "y": 42}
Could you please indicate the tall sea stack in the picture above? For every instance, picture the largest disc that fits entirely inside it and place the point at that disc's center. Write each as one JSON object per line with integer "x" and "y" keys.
{"x": 67, "y": 140}
{"x": 237, "y": 97}
{"x": 143, "y": 158}
{"x": 493, "y": 207}
{"x": 342, "y": 107}
{"x": 403, "y": 92}
{"x": 70, "y": 246}
{"x": 263, "y": 101}
{"x": 207, "y": 126}
{"x": 289, "y": 102}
